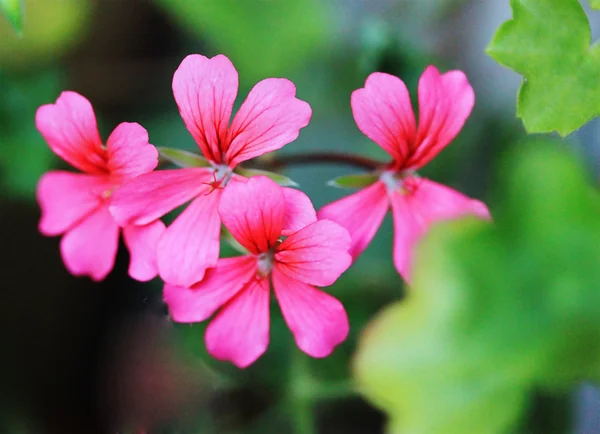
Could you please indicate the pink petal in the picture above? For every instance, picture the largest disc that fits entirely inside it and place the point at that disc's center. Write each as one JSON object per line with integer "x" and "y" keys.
{"x": 129, "y": 153}
{"x": 414, "y": 213}
{"x": 270, "y": 118}
{"x": 317, "y": 320}
{"x": 383, "y": 112}
{"x": 65, "y": 198}
{"x": 219, "y": 285}
{"x": 141, "y": 242}
{"x": 299, "y": 211}
{"x": 445, "y": 103}
{"x": 191, "y": 244}
{"x": 360, "y": 213}
{"x": 150, "y": 196}
{"x": 253, "y": 211}
{"x": 316, "y": 254}
{"x": 90, "y": 248}
{"x": 205, "y": 90}
{"x": 69, "y": 127}
{"x": 240, "y": 332}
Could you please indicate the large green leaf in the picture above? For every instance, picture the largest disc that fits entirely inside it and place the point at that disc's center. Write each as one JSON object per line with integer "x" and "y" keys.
{"x": 548, "y": 42}
{"x": 495, "y": 310}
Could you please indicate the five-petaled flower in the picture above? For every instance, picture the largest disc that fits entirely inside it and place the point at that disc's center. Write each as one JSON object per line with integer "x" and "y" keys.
{"x": 256, "y": 214}
{"x": 383, "y": 112}
{"x": 205, "y": 90}
{"x": 76, "y": 204}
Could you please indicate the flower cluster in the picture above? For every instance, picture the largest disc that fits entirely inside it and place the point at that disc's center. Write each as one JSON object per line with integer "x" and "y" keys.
{"x": 287, "y": 245}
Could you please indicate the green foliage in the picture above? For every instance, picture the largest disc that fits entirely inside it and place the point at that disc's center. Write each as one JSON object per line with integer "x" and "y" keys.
{"x": 595, "y": 4}
{"x": 548, "y": 42}
{"x": 13, "y": 11}
{"x": 182, "y": 158}
{"x": 53, "y": 28}
{"x": 354, "y": 181}
{"x": 496, "y": 310}
{"x": 257, "y": 35}
{"x": 24, "y": 156}
{"x": 276, "y": 177}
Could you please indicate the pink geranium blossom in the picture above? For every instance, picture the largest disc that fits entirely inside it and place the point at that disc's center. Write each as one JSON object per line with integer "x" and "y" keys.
{"x": 205, "y": 90}
{"x": 382, "y": 110}
{"x": 76, "y": 204}
{"x": 256, "y": 214}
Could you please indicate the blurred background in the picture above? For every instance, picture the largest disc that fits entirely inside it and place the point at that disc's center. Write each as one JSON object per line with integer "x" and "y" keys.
{"x": 79, "y": 357}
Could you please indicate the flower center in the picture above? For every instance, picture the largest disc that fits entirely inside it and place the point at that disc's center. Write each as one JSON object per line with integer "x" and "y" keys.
{"x": 106, "y": 194}
{"x": 221, "y": 176}
{"x": 395, "y": 181}
{"x": 390, "y": 181}
{"x": 265, "y": 262}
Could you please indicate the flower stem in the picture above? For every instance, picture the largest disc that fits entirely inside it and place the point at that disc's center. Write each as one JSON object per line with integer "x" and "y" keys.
{"x": 303, "y": 417}
{"x": 301, "y": 404}
{"x": 282, "y": 161}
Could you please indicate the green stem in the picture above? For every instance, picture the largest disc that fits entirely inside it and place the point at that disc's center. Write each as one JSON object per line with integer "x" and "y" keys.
{"x": 301, "y": 403}
{"x": 303, "y": 417}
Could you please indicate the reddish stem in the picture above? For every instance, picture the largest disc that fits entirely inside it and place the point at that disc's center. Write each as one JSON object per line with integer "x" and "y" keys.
{"x": 282, "y": 161}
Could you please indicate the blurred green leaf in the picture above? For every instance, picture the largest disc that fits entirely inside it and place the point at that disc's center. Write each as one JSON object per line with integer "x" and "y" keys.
{"x": 23, "y": 160}
{"x": 495, "y": 310}
{"x": 53, "y": 28}
{"x": 13, "y": 11}
{"x": 354, "y": 181}
{"x": 548, "y": 42}
{"x": 182, "y": 158}
{"x": 24, "y": 156}
{"x": 276, "y": 177}
{"x": 595, "y": 4}
{"x": 262, "y": 37}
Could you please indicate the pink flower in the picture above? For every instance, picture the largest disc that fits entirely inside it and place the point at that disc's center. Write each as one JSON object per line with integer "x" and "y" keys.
{"x": 257, "y": 215}
{"x": 76, "y": 204}
{"x": 382, "y": 110}
{"x": 205, "y": 90}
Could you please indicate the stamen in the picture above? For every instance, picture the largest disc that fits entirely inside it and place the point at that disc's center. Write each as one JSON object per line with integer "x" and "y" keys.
{"x": 221, "y": 175}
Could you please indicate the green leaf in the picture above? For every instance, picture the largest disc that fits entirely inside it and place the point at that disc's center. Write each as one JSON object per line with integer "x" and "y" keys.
{"x": 277, "y": 177}
{"x": 13, "y": 11}
{"x": 354, "y": 181}
{"x": 595, "y": 4}
{"x": 548, "y": 42}
{"x": 495, "y": 310}
{"x": 183, "y": 158}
